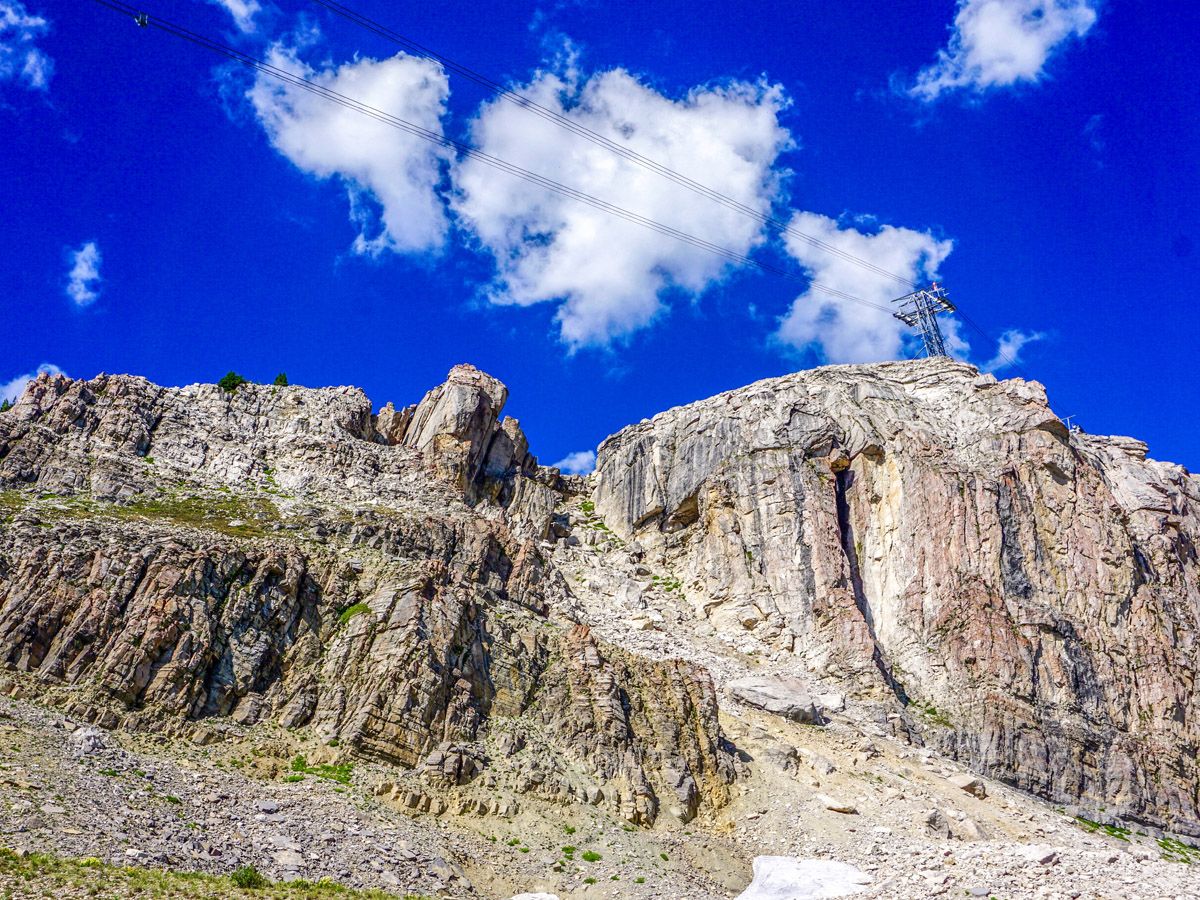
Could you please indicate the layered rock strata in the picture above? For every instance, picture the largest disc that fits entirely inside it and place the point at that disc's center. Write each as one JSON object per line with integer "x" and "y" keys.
{"x": 178, "y": 556}
{"x": 937, "y": 538}
{"x": 409, "y": 586}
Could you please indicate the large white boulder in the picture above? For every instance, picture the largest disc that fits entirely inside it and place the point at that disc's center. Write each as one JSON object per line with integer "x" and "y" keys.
{"x": 789, "y": 878}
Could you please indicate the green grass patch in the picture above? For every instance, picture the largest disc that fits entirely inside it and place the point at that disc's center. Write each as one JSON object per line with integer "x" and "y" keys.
{"x": 1174, "y": 850}
{"x": 351, "y": 611}
{"x": 672, "y": 584}
{"x": 248, "y": 878}
{"x": 1113, "y": 831}
{"x": 12, "y": 502}
{"x": 591, "y": 856}
{"x": 340, "y": 773}
{"x": 227, "y": 514}
{"x": 932, "y": 714}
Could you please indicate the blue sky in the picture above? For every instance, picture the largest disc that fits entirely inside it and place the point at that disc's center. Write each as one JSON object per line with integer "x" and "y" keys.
{"x": 169, "y": 215}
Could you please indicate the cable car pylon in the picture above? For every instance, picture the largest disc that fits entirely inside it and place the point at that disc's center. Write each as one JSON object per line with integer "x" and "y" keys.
{"x": 920, "y": 309}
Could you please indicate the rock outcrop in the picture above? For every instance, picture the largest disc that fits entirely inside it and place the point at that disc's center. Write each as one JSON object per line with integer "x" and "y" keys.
{"x": 172, "y": 557}
{"x": 938, "y": 539}
{"x": 411, "y": 587}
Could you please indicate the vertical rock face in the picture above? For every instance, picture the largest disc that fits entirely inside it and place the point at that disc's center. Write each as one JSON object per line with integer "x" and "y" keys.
{"x": 938, "y": 537}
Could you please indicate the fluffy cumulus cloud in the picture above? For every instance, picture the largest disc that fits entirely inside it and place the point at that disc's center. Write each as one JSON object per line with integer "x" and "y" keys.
{"x": 11, "y": 390}
{"x": 997, "y": 43}
{"x": 608, "y": 274}
{"x": 20, "y": 58}
{"x": 243, "y": 12}
{"x": 842, "y": 331}
{"x": 1008, "y": 349}
{"x": 391, "y": 177}
{"x": 580, "y": 462}
{"x": 83, "y": 278}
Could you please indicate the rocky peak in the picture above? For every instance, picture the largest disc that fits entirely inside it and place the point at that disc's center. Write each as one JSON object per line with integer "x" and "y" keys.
{"x": 457, "y": 426}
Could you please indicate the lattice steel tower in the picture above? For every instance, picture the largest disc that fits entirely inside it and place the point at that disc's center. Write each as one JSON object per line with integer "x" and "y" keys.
{"x": 919, "y": 310}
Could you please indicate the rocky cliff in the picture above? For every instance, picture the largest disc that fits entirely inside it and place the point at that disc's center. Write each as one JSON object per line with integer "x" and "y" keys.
{"x": 934, "y": 536}
{"x": 411, "y": 587}
{"x": 176, "y": 557}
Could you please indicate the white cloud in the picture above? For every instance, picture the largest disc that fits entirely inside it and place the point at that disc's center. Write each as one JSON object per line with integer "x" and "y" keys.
{"x": 378, "y": 163}
{"x": 1008, "y": 349}
{"x": 580, "y": 462}
{"x": 20, "y": 59}
{"x": 83, "y": 281}
{"x": 610, "y": 274}
{"x": 12, "y": 390}
{"x": 997, "y": 43}
{"x": 844, "y": 331}
{"x": 243, "y": 12}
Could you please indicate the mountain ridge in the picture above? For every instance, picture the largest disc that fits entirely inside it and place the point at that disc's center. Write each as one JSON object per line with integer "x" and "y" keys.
{"x": 922, "y": 552}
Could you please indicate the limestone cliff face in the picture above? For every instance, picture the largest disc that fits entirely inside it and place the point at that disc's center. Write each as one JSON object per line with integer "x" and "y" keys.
{"x": 413, "y": 587}
{"x": 170, "y": 557}
{"x": 938, "y": 538}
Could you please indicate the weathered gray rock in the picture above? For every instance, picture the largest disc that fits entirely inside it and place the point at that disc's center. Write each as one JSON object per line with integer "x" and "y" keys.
{"x": 270, "y": 559}
{"x": 457, "y": 426}
{"x": 969, "y": 783}
{"x": 781, "y": 695}
{"x": 932, "y": 540}
{"x": 1039, "y": 854}
{"x": 835, "y": 805}
{"x": 937, "y": 824}
{"x": 86, "y": 740}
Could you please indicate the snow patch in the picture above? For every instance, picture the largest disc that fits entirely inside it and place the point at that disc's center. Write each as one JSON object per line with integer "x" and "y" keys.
{"x": 789, "y": 878}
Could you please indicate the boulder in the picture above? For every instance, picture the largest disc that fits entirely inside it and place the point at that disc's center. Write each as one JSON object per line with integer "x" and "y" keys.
{"x": 837, "y": 806}
{"x": 936, "y": 823}
{"x": 1039, "y": 854}
{"x": 87, "y": 740}
{"x": 965, "y": 781}
{"x": 455, "y": 424}
{"x": 781, "y": 695}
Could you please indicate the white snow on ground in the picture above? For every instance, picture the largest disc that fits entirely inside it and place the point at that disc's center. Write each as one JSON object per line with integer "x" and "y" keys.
{"x": 789, "y": 878}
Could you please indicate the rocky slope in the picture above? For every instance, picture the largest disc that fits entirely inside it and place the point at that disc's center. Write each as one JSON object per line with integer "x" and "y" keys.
{"x": 913, "y": 553}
